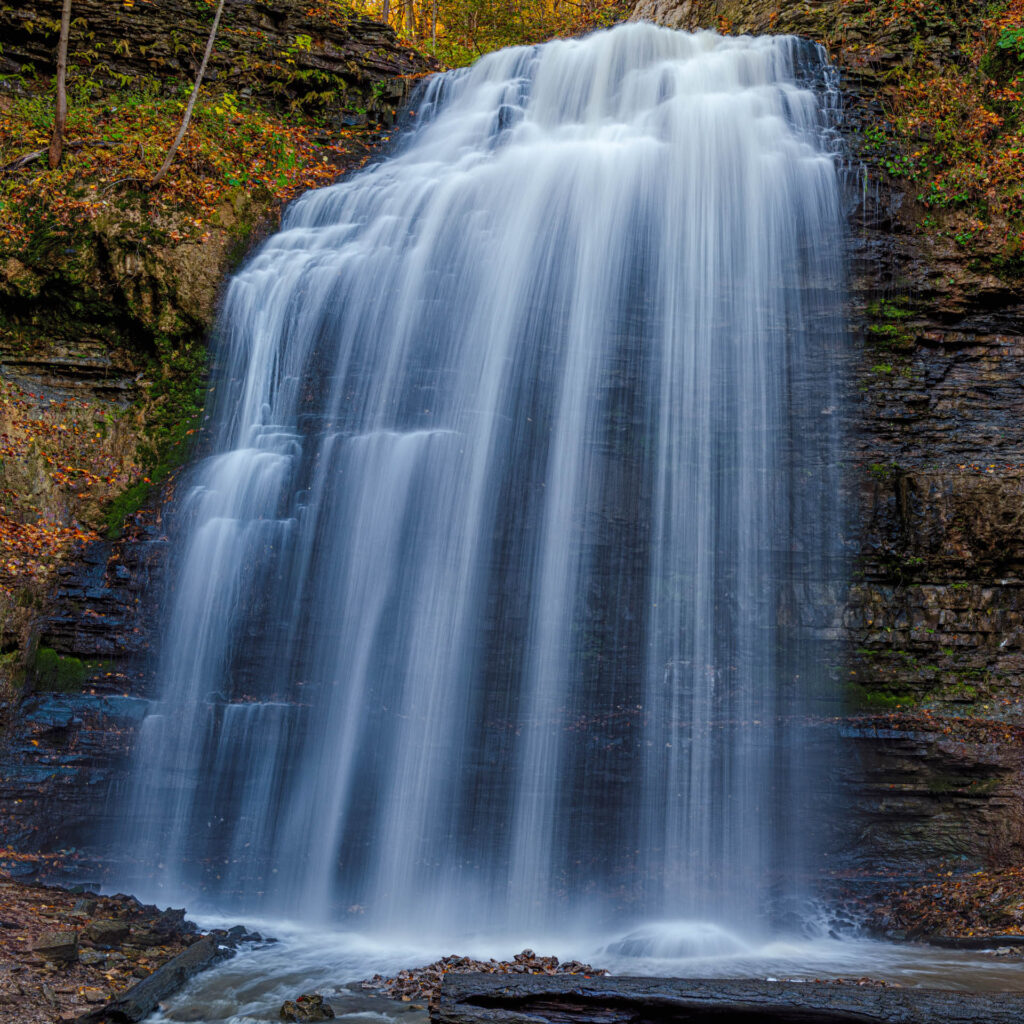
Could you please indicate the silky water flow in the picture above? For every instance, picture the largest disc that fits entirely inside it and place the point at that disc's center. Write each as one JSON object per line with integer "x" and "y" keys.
{"x": 500, "y": 598}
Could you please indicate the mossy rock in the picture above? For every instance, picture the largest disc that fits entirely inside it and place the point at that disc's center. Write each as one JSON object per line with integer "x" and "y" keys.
{"x": 57, "y": 673}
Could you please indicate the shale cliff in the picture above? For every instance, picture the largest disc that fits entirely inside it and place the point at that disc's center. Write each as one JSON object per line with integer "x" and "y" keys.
{"x": 108, "y": 290}
{"x": 933, "y": 625}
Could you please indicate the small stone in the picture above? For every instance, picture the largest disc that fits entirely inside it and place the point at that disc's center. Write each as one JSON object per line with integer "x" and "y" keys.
{"x": 57, "y": 947}
{"x": 309, "y": 1007}
{"x": 91, "y": 957}
{"x": 84, "y": 908}
{"x": 95, "y": 995}
{"x": 107, "y": 933}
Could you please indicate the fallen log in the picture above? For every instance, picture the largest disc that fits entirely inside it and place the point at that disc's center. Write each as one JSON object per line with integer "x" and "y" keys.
{"x": 537, "y": 999}
{"x": 142, "y": 999}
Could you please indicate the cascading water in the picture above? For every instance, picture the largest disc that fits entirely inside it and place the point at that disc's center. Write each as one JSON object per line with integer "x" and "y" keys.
{"x": 495, "y": 601}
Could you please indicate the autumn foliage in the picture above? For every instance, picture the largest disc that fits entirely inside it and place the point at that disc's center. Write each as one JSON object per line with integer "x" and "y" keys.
{"x": 60, "y": 464}
{"x": 953, "y": 127}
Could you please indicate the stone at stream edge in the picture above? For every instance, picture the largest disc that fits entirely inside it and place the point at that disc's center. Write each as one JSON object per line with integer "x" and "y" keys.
{"x": 140, "y": 1000}
{"x": 57, "y": 947}
{"x": 310, "y": 1007}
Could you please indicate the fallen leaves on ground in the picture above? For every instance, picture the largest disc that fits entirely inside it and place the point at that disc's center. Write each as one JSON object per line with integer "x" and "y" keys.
{"x": 424, "y": 983}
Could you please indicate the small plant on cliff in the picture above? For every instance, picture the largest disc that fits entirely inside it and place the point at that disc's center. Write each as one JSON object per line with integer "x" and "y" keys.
{"x": 1012, "y": 39}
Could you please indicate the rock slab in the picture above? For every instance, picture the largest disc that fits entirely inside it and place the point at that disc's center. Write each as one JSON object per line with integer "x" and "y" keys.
{"x": 471, "y": 999}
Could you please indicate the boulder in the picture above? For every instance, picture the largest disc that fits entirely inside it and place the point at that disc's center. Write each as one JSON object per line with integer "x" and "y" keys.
{"x": 106, "y": 933}
{"x": 57, "y": 947}
{"x": 309, "y": 1007}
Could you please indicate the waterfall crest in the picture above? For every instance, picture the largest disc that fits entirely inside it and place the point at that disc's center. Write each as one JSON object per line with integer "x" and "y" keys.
{"x": 495, "y": 598}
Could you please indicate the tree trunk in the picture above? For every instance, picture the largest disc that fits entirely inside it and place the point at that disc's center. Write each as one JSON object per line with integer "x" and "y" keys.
{"x": 192, "y": 99}
{"x": 61, "y": 116}
{"x": 385, "y": 11}
{"x": 433, "y": 22}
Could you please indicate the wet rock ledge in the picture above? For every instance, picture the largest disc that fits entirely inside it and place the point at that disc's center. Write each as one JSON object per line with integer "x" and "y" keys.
{"x": 524, "y": 999}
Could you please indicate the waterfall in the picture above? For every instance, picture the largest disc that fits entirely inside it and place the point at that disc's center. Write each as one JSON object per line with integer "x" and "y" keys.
{"x": 497, "y": 599}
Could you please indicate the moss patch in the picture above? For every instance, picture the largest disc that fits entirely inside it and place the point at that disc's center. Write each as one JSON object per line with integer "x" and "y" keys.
{"x": 58, "y": 673}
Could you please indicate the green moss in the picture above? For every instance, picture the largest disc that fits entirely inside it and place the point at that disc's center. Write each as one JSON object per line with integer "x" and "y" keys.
{"x": 58, "y": 673}
{"x": 124, "y": 505}
{"x": 883, "y": 470}
{"x": 961, "y": 691}
{"x": 175, "y": 403}
{"x": 860, "y": 698}
{"x": 944, "y": 783}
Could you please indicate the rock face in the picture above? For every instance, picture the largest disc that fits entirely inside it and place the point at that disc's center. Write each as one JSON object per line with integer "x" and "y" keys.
{"x": 932, "y": 625}
{"x": 68, "y": 742}
{"x": 281, "y": 50}
{"x": 82, "y": 315}
{"x": 103, "y": 360}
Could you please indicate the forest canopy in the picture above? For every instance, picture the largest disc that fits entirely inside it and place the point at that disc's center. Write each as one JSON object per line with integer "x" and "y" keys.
{"x": 459, "y": 31}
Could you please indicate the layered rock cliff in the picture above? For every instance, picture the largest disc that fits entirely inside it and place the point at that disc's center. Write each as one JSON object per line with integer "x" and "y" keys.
{"x": 933, "y": 622}
{"x": 101, "y": 336}
{"x": 108, "y": 289}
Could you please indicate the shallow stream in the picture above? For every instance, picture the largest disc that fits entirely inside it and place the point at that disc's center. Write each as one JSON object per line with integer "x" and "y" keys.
{"x": 252, "y": 986}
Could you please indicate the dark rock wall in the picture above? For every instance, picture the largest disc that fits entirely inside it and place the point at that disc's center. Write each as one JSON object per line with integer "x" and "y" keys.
{"x": 934, "y": 701}
{"x": 67, "y": 749}
{"x": 96, "y": 324}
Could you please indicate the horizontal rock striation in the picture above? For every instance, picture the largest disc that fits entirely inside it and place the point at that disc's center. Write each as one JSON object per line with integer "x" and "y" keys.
{"x": 475, "y": 999}
{"x": 932, "y": 624}
{"x": 282, "y": 52}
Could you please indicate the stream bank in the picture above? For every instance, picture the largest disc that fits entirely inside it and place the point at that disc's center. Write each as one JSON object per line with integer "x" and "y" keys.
{"x": 77, "y": 956}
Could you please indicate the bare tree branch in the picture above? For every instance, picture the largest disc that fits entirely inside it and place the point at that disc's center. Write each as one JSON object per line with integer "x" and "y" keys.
{"x": 192, "y": 99}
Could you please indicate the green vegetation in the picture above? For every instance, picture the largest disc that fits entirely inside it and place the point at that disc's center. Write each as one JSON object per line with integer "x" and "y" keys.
{"x": 466, "y": 29}
{"x": 58, "y": 673}
{"x": 954, "y": 129}
{"x": 888, "y": 328}
{"x": 860, "y": 698}
{"x": 883, "y": 470}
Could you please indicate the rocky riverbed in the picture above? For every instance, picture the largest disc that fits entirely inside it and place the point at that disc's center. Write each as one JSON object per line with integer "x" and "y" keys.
{"x": 424, "y": 983}
{"x": 65, "y": 956}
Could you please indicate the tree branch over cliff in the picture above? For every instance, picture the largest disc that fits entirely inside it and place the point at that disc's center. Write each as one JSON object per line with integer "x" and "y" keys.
{"x": 192, "y": 99}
